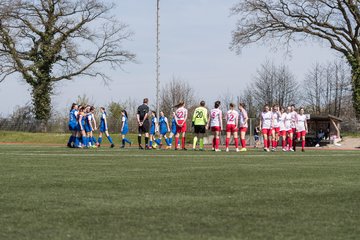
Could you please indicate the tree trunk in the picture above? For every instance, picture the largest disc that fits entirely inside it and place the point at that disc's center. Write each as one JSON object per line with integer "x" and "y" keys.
{"x": 356, "y": 92}
{"x": 355, "y": 84}
{"x": 41, "y": 98}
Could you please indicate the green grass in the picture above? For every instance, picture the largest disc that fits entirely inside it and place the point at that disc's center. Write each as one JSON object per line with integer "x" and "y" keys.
{"x": 355, "y": 134}
{"x": 60, "y": 138}
{"x": 60, "y": 193}
{"x": 48, "y": 138}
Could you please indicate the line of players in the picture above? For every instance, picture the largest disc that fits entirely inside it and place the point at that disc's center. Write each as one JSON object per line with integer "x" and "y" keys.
{"x": 275, "y": 122}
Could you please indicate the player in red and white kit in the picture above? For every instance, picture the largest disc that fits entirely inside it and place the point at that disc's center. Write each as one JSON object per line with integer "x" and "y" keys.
{"x": 288, "y": 127}
{"x": 265, "y": 126}
{"x": 243, "y": 123}
{"x": 232, "y": 120}
{"x": 275, "y": 131}
{"x": 301, "y": 128}
{"x": 282, "y": 128}
{"x": 293, "y": 124}
{"x": 216, "y": 125}
{"x": 181, "y": 114}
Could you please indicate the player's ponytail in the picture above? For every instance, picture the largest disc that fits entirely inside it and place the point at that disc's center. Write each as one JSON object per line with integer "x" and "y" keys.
{"x": 125, "y": 113}
{"x": 73, "y": 106}
{"x": 180, "y": 104}
{"x": 154, "y": 112}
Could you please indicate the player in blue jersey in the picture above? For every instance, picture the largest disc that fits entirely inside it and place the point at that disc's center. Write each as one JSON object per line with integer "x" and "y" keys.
{"x": 93, "y": 122}
{"x": 164, "y": 129}
{"x": 72, "y": 124}
{"x": 89, "y": 127}
{"x": 77, "y": 142}
{"x": 104, "y": 128}
{"x": 154, "y": 127}
{"x": 124, "y": 128}
{"x": 81, "y": 128}
{"x": 173, "y": 129}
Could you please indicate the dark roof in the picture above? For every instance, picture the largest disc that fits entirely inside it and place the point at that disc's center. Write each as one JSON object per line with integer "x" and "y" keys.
{"x": 324, "y": 117}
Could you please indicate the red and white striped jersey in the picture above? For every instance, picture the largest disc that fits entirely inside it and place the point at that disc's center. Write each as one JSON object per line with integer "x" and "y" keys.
{"x": 288, "y": 121}
{"x": 232, "y": 117}
{"x": 293, "y": 119}
{"x": 266, "y": 119}
{"x": 282, "y": 122}
{"x": 181, "y": 113}
{"x": 215, "y": 117}
{"x": 276, "y": 119}
{"x": 242, "y": 116}
{"x": 300, "y": 122}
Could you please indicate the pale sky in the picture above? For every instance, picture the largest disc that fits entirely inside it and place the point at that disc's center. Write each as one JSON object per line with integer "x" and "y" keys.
{"x": 195, "y": 38}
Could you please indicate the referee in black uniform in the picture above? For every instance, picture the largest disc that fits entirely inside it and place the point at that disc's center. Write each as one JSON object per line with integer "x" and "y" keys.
{"x": 143, "y": 121}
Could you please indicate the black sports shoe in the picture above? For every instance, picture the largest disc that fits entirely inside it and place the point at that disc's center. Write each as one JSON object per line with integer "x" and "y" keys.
{"x": 69, "y": 145}
{"x": 141, "y": 147}
{"x": 122, "y": 146}
{"x": 112, "y": 145}
{"x": 184, "y": 149}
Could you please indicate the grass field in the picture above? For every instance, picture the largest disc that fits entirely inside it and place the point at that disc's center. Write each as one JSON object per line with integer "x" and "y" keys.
{"x": 58, "y": 193}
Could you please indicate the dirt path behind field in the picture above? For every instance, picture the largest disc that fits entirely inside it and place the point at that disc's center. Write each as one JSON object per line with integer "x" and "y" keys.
{"x": 347, "y": 143}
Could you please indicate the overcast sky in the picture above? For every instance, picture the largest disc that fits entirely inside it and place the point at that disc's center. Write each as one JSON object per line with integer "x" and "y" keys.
{"x": 195, "y": 38}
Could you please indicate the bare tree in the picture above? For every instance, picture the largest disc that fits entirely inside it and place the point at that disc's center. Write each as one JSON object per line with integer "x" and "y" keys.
{"x": 174, "y": 92}
{"x": 47, "y": 41}
{"x": 286, "y": 87}
{"x": 313, "y": 88}
{"x": 336, "y": 22}
{"x": 342, "y": 86}
{"x": 328, "y": 89}
{"x": 274, "y": 85}
{"x": 325, "y": 88}
{"x": 264, "y": 83}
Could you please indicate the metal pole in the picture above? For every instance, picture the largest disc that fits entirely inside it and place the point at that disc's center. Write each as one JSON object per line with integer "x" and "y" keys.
{"x": 158, "y": 58}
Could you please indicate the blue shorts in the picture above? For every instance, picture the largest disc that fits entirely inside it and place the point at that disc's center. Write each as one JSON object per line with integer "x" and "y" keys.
{"x": 102, "y": 127}
{"x": 77, "y": 127}
{"x": 125, "y": 131}
{"x": 87, "y": 128}
{"x": 72, "y": 127}
{"x": 152, "y": 131}
{"x": 256, "y": 137}
{"x": 163, "y": 132}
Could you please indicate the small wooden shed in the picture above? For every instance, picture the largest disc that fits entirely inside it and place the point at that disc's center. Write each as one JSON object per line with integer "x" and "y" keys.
{"x": 328, "y": 123}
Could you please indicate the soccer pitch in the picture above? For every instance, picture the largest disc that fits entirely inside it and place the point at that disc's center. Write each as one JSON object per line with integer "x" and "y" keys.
{"x": 61, "y": 193}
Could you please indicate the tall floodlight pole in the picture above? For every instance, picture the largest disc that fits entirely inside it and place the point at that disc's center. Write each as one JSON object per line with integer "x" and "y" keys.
{"x": 158, "y": 58}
